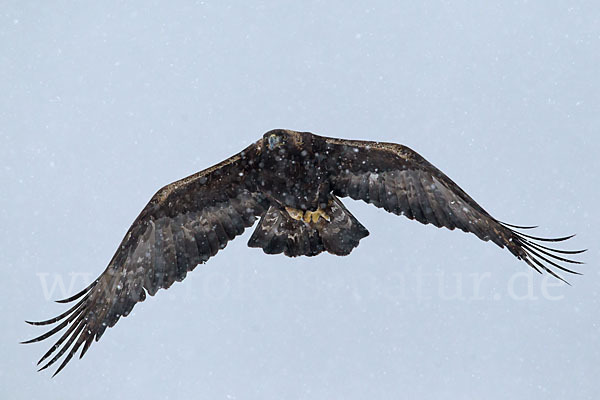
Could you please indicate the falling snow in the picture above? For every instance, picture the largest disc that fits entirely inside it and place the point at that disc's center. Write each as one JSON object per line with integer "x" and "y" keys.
{"x": 104, "y": 104}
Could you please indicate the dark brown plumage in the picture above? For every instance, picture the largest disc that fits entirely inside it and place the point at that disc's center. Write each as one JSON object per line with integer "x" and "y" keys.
{"x": 292, "y": 181}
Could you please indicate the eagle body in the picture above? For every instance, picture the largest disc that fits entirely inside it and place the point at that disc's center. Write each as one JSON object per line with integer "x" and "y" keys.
{"x": 301, "y": 156}
{"x": 292, "y": 183}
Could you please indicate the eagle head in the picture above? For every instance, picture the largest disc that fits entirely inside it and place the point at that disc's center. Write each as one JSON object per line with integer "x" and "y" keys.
{"x": 284, "y": 141}
{"x": 284, "y": 151}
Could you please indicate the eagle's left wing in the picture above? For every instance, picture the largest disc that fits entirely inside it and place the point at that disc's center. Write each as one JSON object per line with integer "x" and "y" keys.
{"x": 399, "y": 180}
{"x": 184, "y": 224}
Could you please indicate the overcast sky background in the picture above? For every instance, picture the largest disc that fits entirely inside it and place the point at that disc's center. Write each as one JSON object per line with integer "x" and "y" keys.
{"x": 102, "y": 104}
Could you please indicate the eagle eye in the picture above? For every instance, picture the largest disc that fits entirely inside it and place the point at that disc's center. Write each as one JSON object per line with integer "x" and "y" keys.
{"x": 275, "y": 140}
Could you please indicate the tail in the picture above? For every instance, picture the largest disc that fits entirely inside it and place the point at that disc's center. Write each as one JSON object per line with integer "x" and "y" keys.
{"x": 277, "y": 232}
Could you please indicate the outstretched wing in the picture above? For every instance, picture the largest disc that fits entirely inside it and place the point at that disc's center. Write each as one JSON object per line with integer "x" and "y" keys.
{"x": 184, "y": 224}
{"x": 399, "y": 180}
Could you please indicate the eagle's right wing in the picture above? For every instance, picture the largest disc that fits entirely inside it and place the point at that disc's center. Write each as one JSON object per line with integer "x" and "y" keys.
{"x": 399, "y": 180}
{"x": 183, "y": 225}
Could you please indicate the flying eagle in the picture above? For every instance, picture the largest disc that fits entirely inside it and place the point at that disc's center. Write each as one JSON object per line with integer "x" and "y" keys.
{"x": 293, "y": 182}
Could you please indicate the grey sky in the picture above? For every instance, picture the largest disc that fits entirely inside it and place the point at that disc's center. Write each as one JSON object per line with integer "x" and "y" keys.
{"x": 105, "y": 102}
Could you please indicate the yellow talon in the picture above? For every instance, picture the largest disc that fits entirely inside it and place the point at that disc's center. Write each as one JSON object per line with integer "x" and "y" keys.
{"x": 315, "y": 215}
{"x": 295, "y": 214}
{"x": 307, "y": 216}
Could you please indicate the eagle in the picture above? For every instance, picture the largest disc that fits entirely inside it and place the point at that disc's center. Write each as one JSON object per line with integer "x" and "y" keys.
{"x": 293, "y": 182}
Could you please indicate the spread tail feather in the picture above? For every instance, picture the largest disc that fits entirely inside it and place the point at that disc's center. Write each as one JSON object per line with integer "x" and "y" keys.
{"x": 277, "y": 232}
